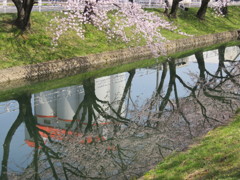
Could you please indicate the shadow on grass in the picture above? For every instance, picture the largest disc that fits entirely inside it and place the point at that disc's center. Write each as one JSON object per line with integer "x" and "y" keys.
{"x": 7, "y": 23}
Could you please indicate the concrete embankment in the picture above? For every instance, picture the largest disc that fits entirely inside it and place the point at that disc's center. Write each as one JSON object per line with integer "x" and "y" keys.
{"x": 22, "y": 75}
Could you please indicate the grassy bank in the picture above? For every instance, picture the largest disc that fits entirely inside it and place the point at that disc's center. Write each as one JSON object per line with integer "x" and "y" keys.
{"x": 215, "y": 157}
{"x": 35, "y": 46}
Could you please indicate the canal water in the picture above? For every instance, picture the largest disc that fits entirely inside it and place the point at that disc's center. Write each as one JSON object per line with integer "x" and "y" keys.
{"x": 118, "y": 126}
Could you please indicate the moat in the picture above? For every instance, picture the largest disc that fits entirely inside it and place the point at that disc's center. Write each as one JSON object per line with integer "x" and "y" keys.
{"x": 118, "y": 126}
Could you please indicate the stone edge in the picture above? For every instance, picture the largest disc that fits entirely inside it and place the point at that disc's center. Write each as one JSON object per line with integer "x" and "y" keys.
{"x": 94, "y": 61}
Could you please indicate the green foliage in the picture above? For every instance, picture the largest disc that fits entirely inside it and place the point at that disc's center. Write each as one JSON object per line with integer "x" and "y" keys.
{"x": 209, "y": 48}
{"x": 216, "y": 156}
{"x": 188, "y": 22}
{"x": 35, "y": 46}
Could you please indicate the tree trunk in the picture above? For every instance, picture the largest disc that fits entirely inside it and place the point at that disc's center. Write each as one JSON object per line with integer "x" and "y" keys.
{"x": 224, "y": 10}
{"x": 174, "y": 8}
{"x": 203, "y": 9}
{"x": 88, "y": 11}
{"x": 167, "y": 5}
{"x": 24, "y": 9}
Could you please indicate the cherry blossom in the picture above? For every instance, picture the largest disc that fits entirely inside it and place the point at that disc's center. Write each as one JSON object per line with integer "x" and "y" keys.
{"x": 220, "y": 7}
{"x": 116, "y": 20}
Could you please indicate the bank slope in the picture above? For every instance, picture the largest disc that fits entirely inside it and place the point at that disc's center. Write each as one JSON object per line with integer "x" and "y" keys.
{"x": 35, "y": 46}
{"x": 215, "y": 157}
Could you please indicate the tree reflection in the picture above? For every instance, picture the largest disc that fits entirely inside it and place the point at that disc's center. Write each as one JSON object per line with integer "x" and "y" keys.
{"x": 91, "y": 106}
{"x": 180, "y": 119}
{"x": 25, "y": 116}
{"x": 23, "y": 109}
{"x": 139, "y": 137}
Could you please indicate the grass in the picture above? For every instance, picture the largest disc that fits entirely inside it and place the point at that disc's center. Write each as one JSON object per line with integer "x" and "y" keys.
{"x": 209, "y": 48}
{"x": 188, "y": 22}
{"x": 35, "y": 46}
{"x": 215, "y": 157}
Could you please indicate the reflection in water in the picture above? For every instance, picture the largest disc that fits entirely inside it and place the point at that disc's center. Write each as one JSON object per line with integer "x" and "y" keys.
{"x": 105, "y": 129}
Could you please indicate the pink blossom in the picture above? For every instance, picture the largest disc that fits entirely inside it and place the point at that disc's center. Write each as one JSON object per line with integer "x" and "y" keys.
{"x": 143, "y": 25}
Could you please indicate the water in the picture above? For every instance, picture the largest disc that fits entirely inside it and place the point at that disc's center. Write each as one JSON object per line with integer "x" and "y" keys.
{"x": 118, "y": 126}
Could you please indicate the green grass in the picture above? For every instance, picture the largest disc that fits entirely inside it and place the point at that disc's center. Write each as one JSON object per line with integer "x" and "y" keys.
{"x": 209, "y": 48}
{"x": 216, "y": 156}
{"x": 35, "y": 46}
{"x": 188, "y": 22}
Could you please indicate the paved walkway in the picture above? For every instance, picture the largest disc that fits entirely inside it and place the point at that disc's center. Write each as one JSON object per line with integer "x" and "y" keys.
{"x": 12, "y": 9}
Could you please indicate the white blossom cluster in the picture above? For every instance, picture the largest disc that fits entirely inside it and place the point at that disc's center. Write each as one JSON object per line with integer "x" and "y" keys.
{"x": 218, "y": 6}
{"x": 126, "y": 22}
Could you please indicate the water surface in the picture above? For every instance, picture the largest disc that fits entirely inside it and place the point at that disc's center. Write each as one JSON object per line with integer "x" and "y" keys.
{"x": 118, "y": 126}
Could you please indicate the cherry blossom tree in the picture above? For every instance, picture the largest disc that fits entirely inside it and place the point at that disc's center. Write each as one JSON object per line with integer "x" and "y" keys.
{"x": 166, "y": 7}
{"x": 114, "y": 19}
{"x": 221, "y": 7}
{"x": 24, "y": 9}
{"x": 174, "y": 8}
{"x": 203, "y": 9}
